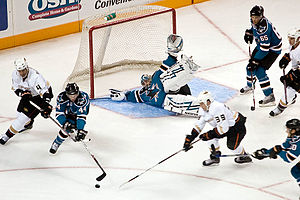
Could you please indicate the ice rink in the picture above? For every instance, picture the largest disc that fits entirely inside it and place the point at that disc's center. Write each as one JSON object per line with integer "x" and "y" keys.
{"x": 213, "y": 34}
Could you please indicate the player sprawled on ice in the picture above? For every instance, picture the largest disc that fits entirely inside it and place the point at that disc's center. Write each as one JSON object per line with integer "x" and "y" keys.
{"x": 30, "y": 86}
{"x": 72, "y": 108}
{"x": 291, "y": 80}
{"x": 167, "y": 88}
{"x": 268, "y": 48}
{"x": 289, "y": 150}
{"x": 225, "y": 123}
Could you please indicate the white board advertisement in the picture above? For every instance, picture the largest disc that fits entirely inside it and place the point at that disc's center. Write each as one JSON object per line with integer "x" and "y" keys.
{"x": 32, "y": 15}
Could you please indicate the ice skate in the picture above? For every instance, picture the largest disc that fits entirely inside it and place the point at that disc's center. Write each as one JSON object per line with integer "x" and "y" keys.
{"x": 246, "y": 90}
{"x": 213, "y": 160}
{"x": 54, "y": 147}
{"x": 275, "y": 112}
{"x": 4, "y": 139}
{"x": 243, "y": 159}
{"x": 267, "y": 101}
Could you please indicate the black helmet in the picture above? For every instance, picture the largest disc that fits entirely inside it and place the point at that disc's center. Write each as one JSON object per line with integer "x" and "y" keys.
{"x": 72, "y": 88}
{"x": 294, "y": 124}
{"x": 257, "y": 11}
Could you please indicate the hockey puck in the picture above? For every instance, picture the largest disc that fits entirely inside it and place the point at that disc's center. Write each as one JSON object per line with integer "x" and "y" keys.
{"x": 252, "y": 108}
{"x": 97, "y": 186}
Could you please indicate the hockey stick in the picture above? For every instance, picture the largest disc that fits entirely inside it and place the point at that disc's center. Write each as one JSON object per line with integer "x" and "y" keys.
{"x": 284, "y": 84}
{"x": 252, "y": 82}
{"x": 156, "y": 165}
{"x": 234, "y": 155}
{"x": 99, "y": 178}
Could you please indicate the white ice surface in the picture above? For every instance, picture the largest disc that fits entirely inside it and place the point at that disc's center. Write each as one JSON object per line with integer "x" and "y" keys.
{"x": 213, "y": 33}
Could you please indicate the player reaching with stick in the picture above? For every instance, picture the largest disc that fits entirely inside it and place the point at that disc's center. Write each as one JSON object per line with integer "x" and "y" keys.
{"x": 30, "y": 86}
{"x": 226, "y": 123}
{"x": 72, "y": 109}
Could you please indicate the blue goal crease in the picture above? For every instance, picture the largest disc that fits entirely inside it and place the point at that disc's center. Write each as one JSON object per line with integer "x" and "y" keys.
{"x": 141, "y": 110}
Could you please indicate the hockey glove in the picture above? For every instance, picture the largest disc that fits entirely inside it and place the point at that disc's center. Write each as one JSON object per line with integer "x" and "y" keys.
{"x": 117, "y": 95}
{"x": 187, "y": 143}
{"x": 284, "y": 61}
{"x": 275, "y": 151}
{"x": 260, "y": 154}
{"x": 68, "y": 126}
{"x": 26, "y": 95}
{"x": 80, "y": 135}
{"x": 253, "y": 64}
{"x": 248, "y": 37}
{"x": 46, "y": 111}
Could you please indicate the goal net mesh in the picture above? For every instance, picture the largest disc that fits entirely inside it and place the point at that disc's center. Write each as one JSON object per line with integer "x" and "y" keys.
{"x": 135, "y": 38}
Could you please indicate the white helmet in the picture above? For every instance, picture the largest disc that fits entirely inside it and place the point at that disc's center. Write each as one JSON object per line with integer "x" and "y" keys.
{"x": 294, "y": 33}
{"x": 204, "y": 96}
{"x": 21, "y": 64}
{"x": 174, "y": 43}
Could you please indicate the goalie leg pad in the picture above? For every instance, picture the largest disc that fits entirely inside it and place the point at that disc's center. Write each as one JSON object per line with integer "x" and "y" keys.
{"x": 182, "y": 104}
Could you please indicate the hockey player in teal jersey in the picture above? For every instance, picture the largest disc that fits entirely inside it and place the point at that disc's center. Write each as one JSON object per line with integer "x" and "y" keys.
{"x": 170, "y": 79}
{"x": 289, "y": 150}
{"x": 268, "y": 48}
{"x": 71, "y": 111}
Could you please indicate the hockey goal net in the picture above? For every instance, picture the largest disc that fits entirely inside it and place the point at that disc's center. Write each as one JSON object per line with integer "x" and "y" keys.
{"x": 135, "y": 38}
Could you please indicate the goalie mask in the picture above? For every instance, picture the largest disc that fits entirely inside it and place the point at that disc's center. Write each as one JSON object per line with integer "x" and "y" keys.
{"x": 294, "y": 34}
{"x": 293, "y": 124}
{"x": 174, "y": 43}
{"x": 21, "y": 64}
{"x": 205, "y": 96}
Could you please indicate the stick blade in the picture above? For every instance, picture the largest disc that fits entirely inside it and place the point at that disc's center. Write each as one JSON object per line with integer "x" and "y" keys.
{"x": 99, "y": 178}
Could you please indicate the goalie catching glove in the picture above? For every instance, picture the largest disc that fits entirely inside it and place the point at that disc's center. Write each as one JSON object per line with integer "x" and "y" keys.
{"x": 117, "y": 95}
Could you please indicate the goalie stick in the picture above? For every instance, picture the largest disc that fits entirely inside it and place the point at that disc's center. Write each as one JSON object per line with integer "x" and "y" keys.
{"x": 156, "y": 164}
{"x": 99, "y": 178}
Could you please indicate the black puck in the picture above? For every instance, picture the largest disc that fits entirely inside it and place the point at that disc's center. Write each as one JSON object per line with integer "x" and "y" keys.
{"x": 97, "y": 186}
{"x": 252, "y": 108}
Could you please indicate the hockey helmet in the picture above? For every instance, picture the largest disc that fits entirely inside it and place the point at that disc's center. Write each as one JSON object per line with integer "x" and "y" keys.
{"x": 204, "y": 96}
{"x": 174, "y": 43}
{"x": 293, "y": 124}
{"x": 145, "y": 79}
{"x": 21, "y": 64}
{"x": 72, "y": 88}
{"x": 257, "y": 11}
{"x": 294, "y": 33}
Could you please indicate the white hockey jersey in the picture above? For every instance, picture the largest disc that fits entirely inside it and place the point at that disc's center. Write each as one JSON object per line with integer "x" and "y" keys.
{"x": 34, "y": 82}
{"x": 295, "y": 57}
{"x": 218, "y": 116}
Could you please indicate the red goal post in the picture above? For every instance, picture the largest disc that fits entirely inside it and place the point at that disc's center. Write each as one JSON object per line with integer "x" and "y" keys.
{"x": 136, "y": 37}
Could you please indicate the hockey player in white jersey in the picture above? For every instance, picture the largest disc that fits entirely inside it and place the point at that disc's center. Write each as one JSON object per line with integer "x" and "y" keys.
{"x": 225, "y": 123}
{"x": 31, "y": 86}
{"x": 292, "y": 78}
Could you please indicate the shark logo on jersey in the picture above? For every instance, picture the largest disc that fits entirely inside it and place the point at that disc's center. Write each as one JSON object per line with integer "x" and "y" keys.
{"x": 153, "y": 92}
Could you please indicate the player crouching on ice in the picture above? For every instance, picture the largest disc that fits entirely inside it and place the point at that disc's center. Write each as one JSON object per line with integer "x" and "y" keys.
{"x": 226, "y": 123}
{"x": 31, "y": 86}
{"x": 71, "y": 110}
{"x": 289, "y": 150}
{"x": 167, "y": 88}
